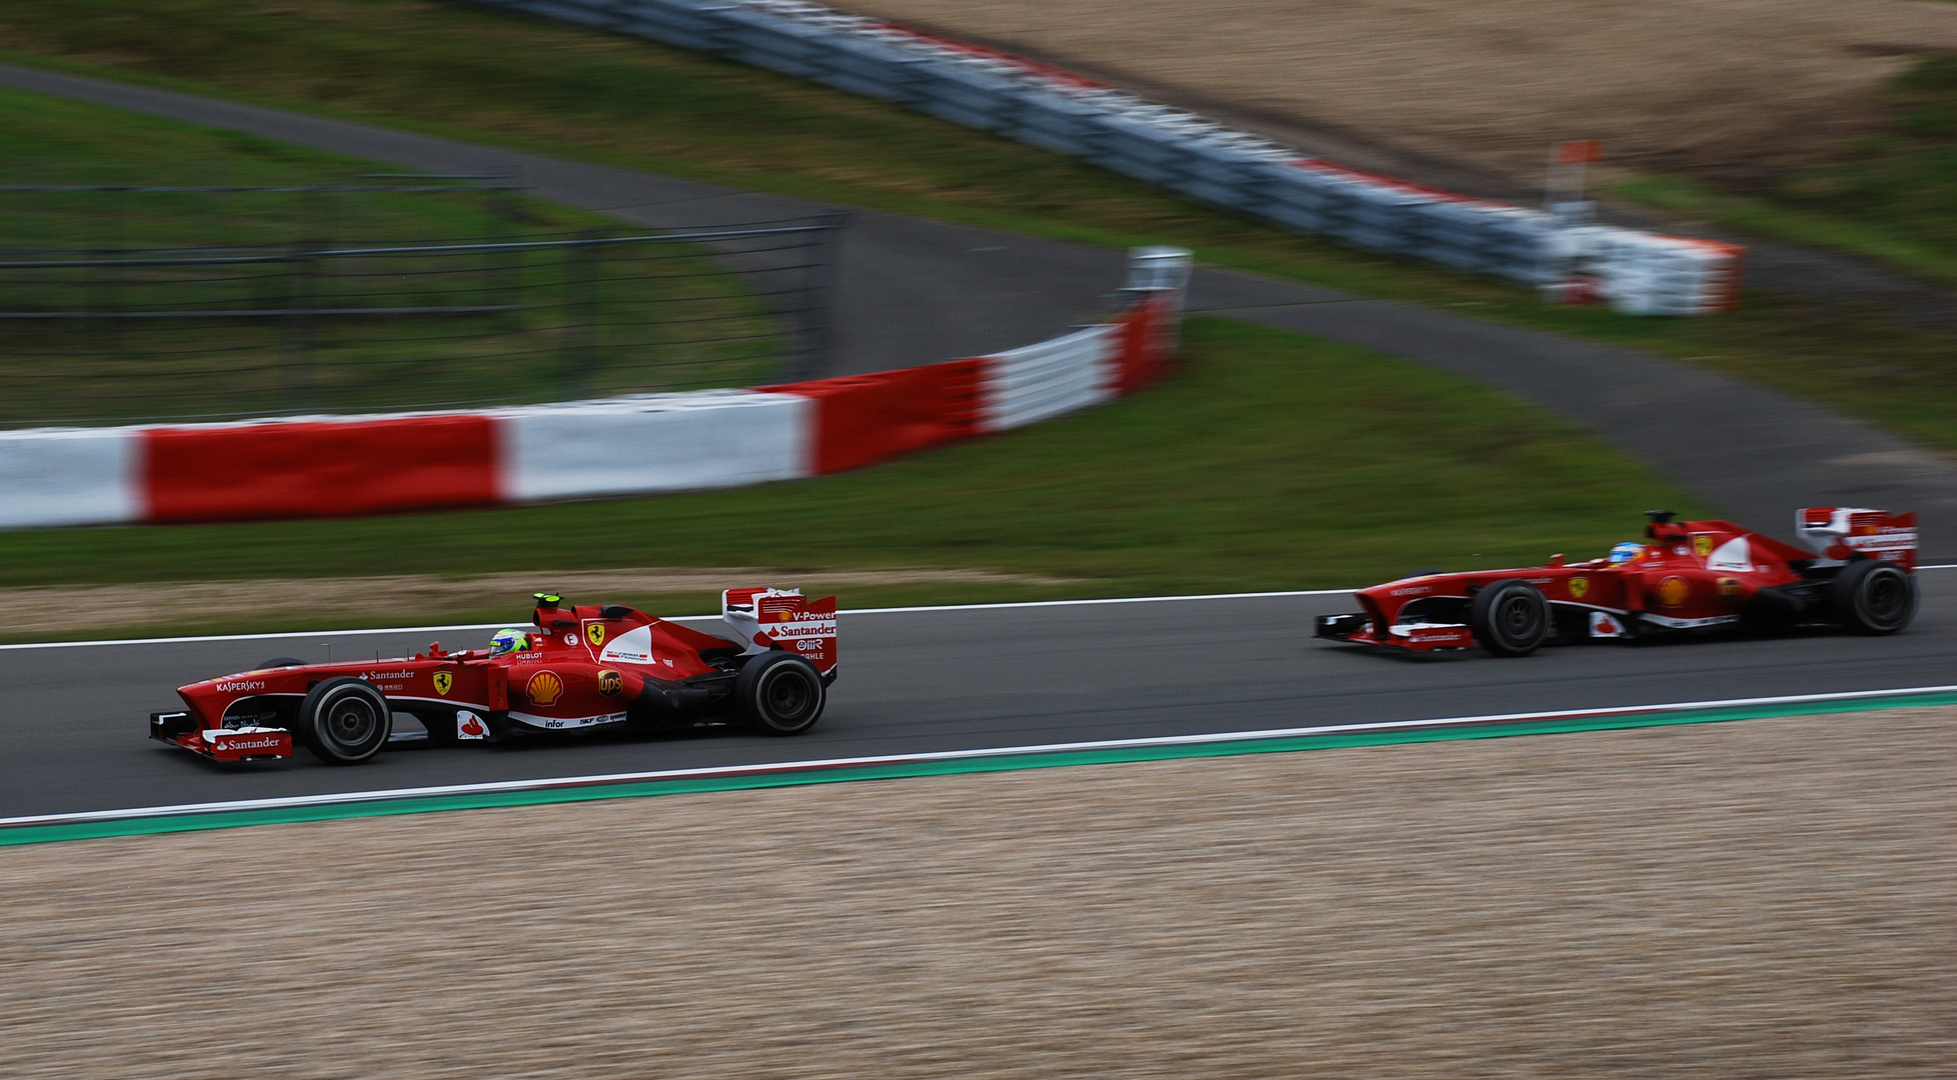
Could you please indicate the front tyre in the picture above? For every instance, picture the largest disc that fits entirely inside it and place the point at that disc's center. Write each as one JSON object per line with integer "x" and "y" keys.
{"x": 1874, "y": 597}
{"x": 779, "y": 693}
{"x": 1510, "y": 618}
{"x": 344, "y": 721}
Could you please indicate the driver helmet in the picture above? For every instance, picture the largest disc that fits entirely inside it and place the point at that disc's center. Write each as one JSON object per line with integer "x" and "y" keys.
{"x": 1625, "y": 552}
{"x": 509, "y": 641}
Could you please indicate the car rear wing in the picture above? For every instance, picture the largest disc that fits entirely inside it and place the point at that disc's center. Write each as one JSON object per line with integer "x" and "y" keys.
{"x": 1840, "y": 533}
{"x": 765, "y": 619}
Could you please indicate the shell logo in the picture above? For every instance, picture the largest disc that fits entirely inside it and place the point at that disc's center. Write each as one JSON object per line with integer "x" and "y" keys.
{"x": 544, "y": 688}
{"x": 1673, "y": 590}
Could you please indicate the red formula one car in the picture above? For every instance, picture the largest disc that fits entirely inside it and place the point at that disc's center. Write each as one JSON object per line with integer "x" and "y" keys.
{"x": 574, "y": 668}
{"x": 1691, "y": 576}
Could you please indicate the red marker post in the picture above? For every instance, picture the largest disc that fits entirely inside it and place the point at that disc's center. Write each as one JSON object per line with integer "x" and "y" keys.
{"x": 1563, "y": 197}
{"x": 1567, "y": 164}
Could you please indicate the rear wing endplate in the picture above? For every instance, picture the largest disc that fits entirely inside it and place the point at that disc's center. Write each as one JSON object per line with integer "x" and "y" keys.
{"x": 1840, "y": 533}
{"x": 764, "y": 619}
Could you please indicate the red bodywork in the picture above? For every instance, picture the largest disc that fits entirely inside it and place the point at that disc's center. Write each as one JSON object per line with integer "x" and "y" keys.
{"x": 1692, "y": 575}
{"x": 586, "y": 666}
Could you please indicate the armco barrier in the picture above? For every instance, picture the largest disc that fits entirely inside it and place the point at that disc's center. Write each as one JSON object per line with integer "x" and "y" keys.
{"x": 1035, "y": 103}
{"x": 342, "y": 466}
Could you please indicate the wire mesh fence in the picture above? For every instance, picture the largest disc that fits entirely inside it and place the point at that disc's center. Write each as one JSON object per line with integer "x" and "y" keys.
{"x": 106, "y": 332}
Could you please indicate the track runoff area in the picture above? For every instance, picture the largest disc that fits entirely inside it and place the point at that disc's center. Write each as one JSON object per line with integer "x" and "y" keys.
{"x": 930, "y": 691}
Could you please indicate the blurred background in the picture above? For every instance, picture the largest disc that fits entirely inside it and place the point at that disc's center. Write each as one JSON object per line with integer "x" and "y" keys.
{"x": 221, "y": 210}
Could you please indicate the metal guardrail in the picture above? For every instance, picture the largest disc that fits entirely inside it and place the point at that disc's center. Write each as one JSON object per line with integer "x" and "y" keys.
{"x": 1197, "y": 157}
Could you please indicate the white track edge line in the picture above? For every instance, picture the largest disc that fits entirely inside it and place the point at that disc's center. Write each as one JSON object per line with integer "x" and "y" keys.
{"x": 695, "y": 618}
{"x": 355, "y": 797}
{"x": 1092, "y": 603}
{"x": 248, "y": 637}
{"x": 287, "y": 634}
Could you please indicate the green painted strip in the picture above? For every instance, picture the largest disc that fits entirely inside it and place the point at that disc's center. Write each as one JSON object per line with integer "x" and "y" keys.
{"x": 92, "y": 830}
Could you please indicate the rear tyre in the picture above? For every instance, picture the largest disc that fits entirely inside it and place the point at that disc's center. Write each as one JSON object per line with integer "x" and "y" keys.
{"x": 344, "y": 721}
{"x": 1874, "y": 597}
{"x": 780, "y": 693}
{"x": 1510, "y": 618}
{"x": 280, "y": 661}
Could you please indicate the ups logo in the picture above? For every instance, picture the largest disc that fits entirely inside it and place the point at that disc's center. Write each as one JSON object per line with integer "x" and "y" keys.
{"x": 610, "y": 682}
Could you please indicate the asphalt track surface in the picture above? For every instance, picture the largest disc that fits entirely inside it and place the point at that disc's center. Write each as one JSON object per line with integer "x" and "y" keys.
{"x": 926, "y": 680}
{"x": 911, "y": 291}
{"x": 914, "y": 291}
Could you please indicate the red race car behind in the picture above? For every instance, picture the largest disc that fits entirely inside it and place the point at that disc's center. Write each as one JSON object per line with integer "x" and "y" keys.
{"x": 574, "y": 668}
{"x": 1860, "y": 574}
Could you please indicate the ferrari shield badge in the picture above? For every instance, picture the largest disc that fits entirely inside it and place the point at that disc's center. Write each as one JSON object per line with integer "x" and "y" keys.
{"x": 1702, "y": 546}
{"x": 595, "y": 633}
{"x": 443, "y": 682}
{"x": 1579, "y": 586}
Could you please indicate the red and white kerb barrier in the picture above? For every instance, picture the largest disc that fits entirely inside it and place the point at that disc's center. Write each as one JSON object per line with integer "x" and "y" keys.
{"x": 350, "y": 465}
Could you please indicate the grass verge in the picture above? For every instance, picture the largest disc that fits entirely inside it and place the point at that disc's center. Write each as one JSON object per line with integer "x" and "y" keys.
{"x": 1269, "y": 461}
{"x": 449, "y": 70}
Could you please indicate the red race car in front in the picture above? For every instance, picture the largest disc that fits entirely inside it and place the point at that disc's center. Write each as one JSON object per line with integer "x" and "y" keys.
{"x": 1691, "y": 576}
{"x": 574, "y": 668}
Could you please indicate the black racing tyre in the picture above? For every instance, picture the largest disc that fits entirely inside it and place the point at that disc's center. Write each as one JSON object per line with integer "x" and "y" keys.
{"x": 1510, "y": 617}
{"x": 345, "y": 721}
{"x": 278, "y": 662}
{"x": 1874, "y": 597}
{"x": 780, "y": 693}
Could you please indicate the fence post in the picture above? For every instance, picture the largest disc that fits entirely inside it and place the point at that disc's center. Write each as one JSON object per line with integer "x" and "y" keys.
{"x": 815, "y": 316}
{"x": 296, "y": 375}
{"x": 108, "y": 242}
{"x": 578, "y": 313}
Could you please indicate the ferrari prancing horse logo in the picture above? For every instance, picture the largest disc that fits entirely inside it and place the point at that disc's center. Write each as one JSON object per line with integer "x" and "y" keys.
{"x": 1579, "y": 586}
{"x": 595, "y": 633}
{"x": 443, "y": 681}
{"x": 1702, "y": 546}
